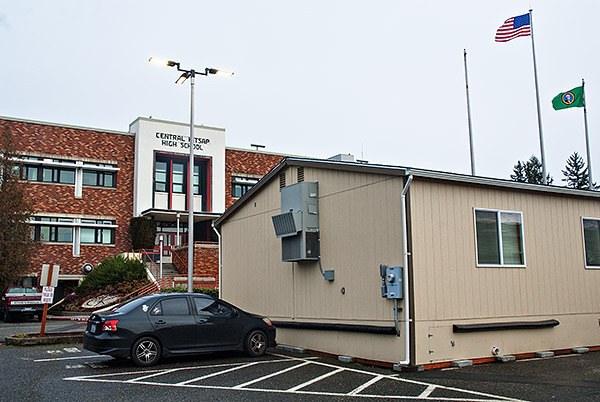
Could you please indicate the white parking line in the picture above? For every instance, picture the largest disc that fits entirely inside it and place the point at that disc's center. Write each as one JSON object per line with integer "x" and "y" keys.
{"x": 427, "y": 391}
{"x": 358, "y": 392}
{"x": 270, "y": 375}
{"x": 204, "y": 377}
{"x": 365, "y": 385}
{"x": 152, "y": 375}
{"x": 314, "y": 380}
{"x": 69, "y": 358}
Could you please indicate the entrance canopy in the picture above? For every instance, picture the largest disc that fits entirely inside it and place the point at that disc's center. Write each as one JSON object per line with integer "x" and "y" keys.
{"x": 166, "y": 215}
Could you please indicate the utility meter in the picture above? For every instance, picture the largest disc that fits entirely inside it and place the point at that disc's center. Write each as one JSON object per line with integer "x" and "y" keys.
{"x": 391, "y": 282}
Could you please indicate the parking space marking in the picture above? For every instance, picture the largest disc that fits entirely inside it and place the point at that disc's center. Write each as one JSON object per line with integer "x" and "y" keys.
{"x": 204, "y": 377}
{"x": 152, "y": 375}
{"x": 254, "y": 381}
{"x": 428, "y": 391}
{"x": 365, "y": 385}
{"x": 360, "y": 391}
{"x": 68, "y": 358}
{"x": 314, "y": 380}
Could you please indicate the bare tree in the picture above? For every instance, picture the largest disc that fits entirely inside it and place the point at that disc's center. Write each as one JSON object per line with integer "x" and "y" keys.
{"x": 16, "y": 243}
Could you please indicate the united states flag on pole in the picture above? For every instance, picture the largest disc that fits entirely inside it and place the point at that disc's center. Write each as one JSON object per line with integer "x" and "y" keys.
{"x": 513, "y": 28}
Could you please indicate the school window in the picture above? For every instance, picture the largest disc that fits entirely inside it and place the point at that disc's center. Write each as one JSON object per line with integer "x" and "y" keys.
{"x": 50, "y": 171}
{"x": 61, "y": 230}
{"x": 98, "y": 178}
{"x": 98, "y": 234}
{"x": 53, "y": 230}
{"x": 160, "y": 176}
{"x": 178, "y": 178}
{"x": 241, "y": 185}
{"x": 499, "y": 236}
{"x": 591, "y": 238}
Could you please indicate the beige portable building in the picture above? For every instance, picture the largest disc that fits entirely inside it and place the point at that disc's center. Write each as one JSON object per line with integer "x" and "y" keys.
{"x": 490, "y": 267}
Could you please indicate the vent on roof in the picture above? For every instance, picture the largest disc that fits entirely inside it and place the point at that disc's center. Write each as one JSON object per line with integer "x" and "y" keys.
{"x": 300, "y": 174}
{"x": 282, "y": 180}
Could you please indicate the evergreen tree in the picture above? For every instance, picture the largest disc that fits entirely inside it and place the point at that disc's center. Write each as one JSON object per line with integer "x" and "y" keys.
{"x": 16, "y": 244}
{"x": 576, "y": 172}
{"x": 530, "y": 172}
{"x": 519, "y": 173}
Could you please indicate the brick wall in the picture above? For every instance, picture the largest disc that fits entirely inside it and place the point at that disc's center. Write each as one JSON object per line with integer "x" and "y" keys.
{"x": 246, "y": 162}
{"x": 206, "y": 264}
{"x": 52, "y": 198}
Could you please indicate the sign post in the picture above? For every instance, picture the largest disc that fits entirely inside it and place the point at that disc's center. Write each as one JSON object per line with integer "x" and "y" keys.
{"x": 49, "y": 282}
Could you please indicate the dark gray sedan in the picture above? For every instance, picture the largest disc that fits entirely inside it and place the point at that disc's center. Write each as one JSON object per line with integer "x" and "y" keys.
{"x": 150, "y": 327}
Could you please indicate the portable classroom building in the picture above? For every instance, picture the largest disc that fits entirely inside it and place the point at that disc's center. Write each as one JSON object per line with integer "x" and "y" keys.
{"x": 494, "y": 267}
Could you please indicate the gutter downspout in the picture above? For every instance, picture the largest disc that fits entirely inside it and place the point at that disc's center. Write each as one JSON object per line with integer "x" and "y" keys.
{"x": 405, "y": 252}
{"x": 220, "y": 264}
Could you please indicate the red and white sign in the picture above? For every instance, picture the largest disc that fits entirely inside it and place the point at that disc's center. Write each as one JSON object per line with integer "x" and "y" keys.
{"x": 50, "y": 274}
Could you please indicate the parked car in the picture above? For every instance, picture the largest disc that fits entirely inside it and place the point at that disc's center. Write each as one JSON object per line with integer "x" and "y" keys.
{"x": 21, "y": 301}
{"x": 150, "y": 327}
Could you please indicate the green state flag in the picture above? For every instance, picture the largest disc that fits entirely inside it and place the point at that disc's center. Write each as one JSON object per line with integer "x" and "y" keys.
{"x": 572, "y": 98}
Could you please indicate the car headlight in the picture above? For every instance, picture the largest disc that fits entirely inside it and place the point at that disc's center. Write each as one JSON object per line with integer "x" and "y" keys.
{"x": 267, "y": 321}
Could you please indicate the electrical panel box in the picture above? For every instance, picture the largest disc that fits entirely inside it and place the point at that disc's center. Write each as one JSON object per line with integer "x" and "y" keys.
{"x": 298, "y": 224}
{"x": 391, "y": 282}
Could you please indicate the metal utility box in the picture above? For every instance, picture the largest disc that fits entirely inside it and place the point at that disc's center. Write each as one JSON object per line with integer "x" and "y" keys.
{"x": 391, "y": 282}
{"x": 298, "y": 224}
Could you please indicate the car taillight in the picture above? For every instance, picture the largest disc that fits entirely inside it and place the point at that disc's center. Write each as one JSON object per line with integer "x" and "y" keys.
{"x": 8, "y": 301}
{"x": 110, "y": 326}
{"x": 267, "y": 321}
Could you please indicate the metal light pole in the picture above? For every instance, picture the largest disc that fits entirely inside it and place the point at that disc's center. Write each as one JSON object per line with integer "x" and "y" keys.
{"x": 191, "y": 74}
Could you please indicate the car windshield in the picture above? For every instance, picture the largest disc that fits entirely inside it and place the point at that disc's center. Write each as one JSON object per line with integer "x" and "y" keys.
{"x": 22, "y": 290}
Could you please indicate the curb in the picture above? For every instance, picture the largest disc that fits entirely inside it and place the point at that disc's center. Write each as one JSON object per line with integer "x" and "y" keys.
{"x": 48, "y": 339}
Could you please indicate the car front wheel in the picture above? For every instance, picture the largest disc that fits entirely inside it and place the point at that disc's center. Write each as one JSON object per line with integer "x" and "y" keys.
{"x": 145, "y": 352}
{"x": 256, "y": 343}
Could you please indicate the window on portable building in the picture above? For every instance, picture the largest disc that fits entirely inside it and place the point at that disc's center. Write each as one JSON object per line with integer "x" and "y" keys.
{"x": 499, "y": 236}
{"x": 591, "y": 238}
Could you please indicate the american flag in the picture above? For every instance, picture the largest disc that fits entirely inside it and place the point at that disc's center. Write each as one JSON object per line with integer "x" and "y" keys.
{"x": 513, "y": 28}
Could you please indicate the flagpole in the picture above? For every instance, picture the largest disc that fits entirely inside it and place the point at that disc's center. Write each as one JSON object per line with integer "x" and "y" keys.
{"x": 537, "y": 97}
{"x": 469, "y": 116}
{"x": 587, "y": 137}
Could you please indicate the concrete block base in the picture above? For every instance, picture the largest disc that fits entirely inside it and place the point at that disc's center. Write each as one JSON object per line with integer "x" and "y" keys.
{"x": 544, "y": 354}
{"x": 346, "y": 359}
{"x": 580, "y": 350}
{"x": 506, "y": 359}
{"x": 292, "y": 349}
{"x": 462, "y": 363}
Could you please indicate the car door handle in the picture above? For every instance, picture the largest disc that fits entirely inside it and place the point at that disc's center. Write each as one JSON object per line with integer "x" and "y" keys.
{"x": 202, "y": 320}
{"x": 160, "y": 322}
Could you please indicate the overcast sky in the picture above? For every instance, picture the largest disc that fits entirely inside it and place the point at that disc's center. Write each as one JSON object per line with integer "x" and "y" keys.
{"x": 383, "y": 80}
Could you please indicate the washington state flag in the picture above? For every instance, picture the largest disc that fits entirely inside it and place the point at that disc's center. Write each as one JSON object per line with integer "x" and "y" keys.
{"x": 572, "y": 98}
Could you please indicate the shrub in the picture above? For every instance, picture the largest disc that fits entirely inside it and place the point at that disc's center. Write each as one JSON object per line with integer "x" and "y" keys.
{"x": 182, "y": 289}
{"x": 143, "y": 232}
{"x": 114, "y": 273}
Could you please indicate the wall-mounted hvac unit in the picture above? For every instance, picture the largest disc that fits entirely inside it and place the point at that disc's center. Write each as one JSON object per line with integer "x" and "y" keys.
{"x": 298, "y": 224}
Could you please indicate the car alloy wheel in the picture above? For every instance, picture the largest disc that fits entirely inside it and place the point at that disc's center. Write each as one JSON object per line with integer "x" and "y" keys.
{"x": 256, "y": 343}
{"x": 145, "y": 352}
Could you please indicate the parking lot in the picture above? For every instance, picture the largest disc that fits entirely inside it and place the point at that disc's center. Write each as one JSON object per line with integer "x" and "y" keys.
{"x": 67, "y": 372}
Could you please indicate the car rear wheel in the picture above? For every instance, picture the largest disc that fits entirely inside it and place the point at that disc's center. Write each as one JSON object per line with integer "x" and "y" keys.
{"x": 145, "y": 352}
{"x": 256, "y": 343}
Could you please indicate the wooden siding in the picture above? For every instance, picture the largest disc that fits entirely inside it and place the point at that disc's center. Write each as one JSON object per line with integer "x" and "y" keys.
{"x": 451, "y": 288}
{"x": 355, "y": 209}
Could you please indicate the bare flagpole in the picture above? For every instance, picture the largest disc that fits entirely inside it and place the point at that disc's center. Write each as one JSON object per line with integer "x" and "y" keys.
{"x": 537, "y": 97}
{"x": 587, "y": 137}
{"x": 469, "y": 116}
